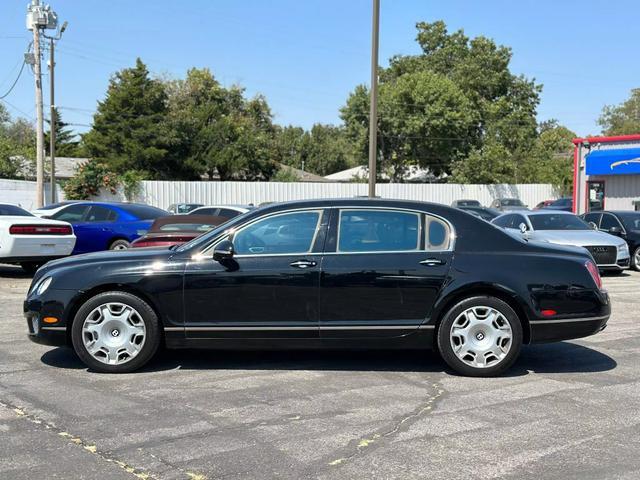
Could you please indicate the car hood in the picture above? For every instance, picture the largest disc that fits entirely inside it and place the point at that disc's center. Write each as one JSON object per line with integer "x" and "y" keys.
{"x": 132, "y": 256}
{"x": 577, "y": 237}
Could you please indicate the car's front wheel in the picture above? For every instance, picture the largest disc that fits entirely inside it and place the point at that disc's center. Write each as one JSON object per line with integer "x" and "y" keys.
{"x": 115, "y": 332}
{"x": 480, "y": 337}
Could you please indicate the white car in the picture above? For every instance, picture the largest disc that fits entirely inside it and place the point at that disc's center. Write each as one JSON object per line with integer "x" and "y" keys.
{"x": 610, "y": 253}
{"x": 228, "y": 211}
{"x": 31, "y": 241}
{"x": 51, "y": 209}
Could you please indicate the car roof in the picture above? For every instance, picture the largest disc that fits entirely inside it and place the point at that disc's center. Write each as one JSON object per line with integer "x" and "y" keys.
{"x": 543, "y": 212}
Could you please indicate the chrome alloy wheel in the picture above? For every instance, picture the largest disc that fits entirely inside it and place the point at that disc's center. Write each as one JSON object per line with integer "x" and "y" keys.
{"x": 120, "y": 246}
{"x": 113, "y": 333}
{"x": 481, "y": 337}
{"x": 636, "y": 258}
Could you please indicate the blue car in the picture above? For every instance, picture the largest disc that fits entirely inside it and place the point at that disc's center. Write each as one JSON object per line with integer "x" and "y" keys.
{"x": 107, "y": 226}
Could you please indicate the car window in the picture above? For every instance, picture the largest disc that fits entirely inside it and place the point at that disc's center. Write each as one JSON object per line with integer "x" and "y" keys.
{"x": 205, "y": 211}
{"x": 72, "y": 213}
{"x": 517, "y": 220}
{"x": 631, "y": 220}
{"x": 609, "y": 221}
{"x": 288, "y": 233}
{"x": 504, "y": 221}
{"x": 592, "y": 217}
{"x": 558, "y": 221}
{"x": 378, "y": 231}
{"x": 438, "y": 234}
{"x": 98, "y": 213}
{"x": 14, "y": 210}
{"x": 228, "y": 213}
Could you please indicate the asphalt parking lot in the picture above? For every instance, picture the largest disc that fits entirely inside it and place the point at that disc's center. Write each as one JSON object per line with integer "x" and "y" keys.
{"x": 566, "y": 410}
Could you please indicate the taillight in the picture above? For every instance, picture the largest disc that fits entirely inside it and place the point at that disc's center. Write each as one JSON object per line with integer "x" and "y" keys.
{"x": 595, "y": 273}
{"x": 40, "y": 230}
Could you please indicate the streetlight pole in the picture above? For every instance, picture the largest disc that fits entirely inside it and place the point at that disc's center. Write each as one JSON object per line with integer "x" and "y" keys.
{"x": 37, "y": 71}
{"x": 373, "y": 111}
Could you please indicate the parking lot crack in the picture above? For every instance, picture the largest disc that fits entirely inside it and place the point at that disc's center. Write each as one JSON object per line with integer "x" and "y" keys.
{"x": 86, "y": 445}
{"x": 363, "y": 444}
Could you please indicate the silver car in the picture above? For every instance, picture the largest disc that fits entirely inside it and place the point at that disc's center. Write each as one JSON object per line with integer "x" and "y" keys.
{"x": 564, "y": 228}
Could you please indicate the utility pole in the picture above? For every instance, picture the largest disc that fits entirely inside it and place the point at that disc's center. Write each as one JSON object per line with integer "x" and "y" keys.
{"x": 373, "y": 111}
{"x": 52, "y": 129}
{"x": 39, "y": 17}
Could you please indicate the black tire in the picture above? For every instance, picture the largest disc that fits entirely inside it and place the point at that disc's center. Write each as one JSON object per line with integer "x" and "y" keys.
{"x": 152, "y": 332}
{"x": 30, "y": 267}
{"x": 634, "y": 264}
{"x": 119, "y": 244}
{"x": 445, "y": 342}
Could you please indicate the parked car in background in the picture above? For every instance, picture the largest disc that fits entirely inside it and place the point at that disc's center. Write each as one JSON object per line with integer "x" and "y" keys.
{"x": 563, "y": 228}
{"x": 227, "y": 211}
{"x": 356, "y": 273}
{"x": 177, "y": 229}
{"x": 505, "y": 204}
{"x": 564, "y": 204}
{"x": 31, "y": 241}
{"x": 543, "y": 204}
{"x": 107, "y": 226}
{"x": 624, "y": 224}
{"x": 466, "y": 203}
{"x": 484, "y": 213}
{"x": 52, "y": 208}
{"x": 183, "y": 208}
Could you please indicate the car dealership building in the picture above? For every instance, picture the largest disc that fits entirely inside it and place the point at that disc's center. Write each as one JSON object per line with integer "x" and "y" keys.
{"x": 606, "y": 173}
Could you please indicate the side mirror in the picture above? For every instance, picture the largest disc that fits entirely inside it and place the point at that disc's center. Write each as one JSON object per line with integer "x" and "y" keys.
{"x": 223, "y": 251}
{"x": 523, "y": 228}
{"x": 593, "y": 225}
{"x": 615, "y": 231}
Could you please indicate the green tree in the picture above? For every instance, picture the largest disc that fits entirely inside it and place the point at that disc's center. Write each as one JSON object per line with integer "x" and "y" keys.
{"x": 623, "y": 119}
{"x": 456, "y": 99}
{"x": 17, "y": 147}
{"x": 67, "y": 144}
{"x": 130, "y": 130}
{"x": 217, "y": 131}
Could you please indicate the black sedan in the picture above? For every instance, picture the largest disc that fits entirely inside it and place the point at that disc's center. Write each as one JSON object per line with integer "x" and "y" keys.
{"x": 624, "y": 224}
{"x": 353, "y": 273}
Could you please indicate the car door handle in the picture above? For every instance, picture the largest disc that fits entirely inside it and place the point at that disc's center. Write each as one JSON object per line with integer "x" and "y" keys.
{"x": 303, "y": 263}
{"x": 432, "y": 262}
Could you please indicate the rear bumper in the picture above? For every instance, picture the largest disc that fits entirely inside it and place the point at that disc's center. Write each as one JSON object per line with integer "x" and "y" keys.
{"x": 34, "y": 258}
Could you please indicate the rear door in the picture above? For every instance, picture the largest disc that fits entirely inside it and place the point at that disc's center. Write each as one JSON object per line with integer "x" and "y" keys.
{"x": 382, "y": 271}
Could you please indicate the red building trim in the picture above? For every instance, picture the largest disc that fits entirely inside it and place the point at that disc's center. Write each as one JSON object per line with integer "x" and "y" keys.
{"x": 618, "y": 138}
{"x": 574, "y": 206}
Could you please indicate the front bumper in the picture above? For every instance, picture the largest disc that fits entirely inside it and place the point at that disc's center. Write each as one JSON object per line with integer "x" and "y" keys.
{"x": 53, "y": 303}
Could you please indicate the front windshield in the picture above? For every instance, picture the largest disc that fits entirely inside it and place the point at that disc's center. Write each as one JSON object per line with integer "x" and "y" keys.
{"x": 558, "y": 222}
{"x": 213, "y": 233}
{"x": 631, "y": 220}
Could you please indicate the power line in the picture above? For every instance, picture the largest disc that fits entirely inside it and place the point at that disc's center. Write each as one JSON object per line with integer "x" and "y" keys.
{"x": 15, "y": 81}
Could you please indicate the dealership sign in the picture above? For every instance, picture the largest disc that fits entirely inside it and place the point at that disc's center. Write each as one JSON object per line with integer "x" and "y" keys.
{"x": 623, "y": 161}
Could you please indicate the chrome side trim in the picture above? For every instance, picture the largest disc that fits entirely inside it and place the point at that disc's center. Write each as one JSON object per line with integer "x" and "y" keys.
{"x": 568, "y": 320}
{"x": 57, "y": 329}
{"x": 336, "y": 327}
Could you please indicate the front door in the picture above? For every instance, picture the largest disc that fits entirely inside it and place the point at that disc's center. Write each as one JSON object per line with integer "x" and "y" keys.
{"x": 270, "y": 287}
{"x": 382, "y": 272}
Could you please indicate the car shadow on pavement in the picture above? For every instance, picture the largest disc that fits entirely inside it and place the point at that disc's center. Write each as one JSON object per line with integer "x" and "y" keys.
{"x": 12, "y": 271}
{"x": 563, "y": 357}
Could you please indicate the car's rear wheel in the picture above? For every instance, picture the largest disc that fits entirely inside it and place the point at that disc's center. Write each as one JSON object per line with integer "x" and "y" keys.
{"x": 115, "y": 332}
{"x": 119, "y": 244}
{"x": 480, "y": 336}
{"x": 635, "y": 259}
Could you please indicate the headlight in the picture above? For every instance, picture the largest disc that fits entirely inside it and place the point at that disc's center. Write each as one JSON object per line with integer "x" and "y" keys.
{"x": 623, "y": 250}
{"x": 43, "y": 285}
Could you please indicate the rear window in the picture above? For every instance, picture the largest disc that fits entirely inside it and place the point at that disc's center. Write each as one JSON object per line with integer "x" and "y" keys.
{"x": 14, "y": 211}
{"x": 378, "y": 231}
{"x": 144, "y": 212}
{"x": 512, "y": 202}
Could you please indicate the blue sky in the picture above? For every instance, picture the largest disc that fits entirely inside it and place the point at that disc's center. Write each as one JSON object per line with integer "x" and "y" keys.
{"x": 305, "y": 56}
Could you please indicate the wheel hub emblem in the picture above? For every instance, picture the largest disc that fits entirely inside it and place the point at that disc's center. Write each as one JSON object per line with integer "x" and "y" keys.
{"x": 115, "y": 333}
{"x": 480, "y": 336}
